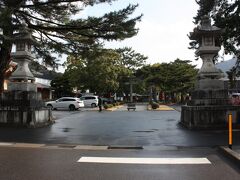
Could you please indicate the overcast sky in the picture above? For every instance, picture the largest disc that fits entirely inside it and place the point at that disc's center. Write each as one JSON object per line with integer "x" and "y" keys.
{"x": 163, "y": 30}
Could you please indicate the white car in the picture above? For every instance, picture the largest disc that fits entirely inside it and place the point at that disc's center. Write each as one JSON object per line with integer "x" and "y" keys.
{"x": 70, "y": 103}
{"x": 90, "y": 100}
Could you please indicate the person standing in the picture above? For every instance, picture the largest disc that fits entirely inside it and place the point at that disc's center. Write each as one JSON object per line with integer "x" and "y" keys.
{"x": 100, "y": 103}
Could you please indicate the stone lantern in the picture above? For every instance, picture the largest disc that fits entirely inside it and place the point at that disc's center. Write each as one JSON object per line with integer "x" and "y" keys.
{"x": 22, "y": 105}
{"x": 209, "y": 104}
{"x": 208, "y": 38}
{"x": 22, "y": 78}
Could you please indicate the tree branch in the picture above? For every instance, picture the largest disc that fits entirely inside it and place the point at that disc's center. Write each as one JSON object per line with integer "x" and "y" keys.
{"x": 86, "y": 2}
{"x": 37, "y": 4}
{"x": 44, "y": 20}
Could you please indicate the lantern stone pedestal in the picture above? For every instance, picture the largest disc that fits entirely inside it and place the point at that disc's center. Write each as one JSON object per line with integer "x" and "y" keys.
{"x": 22, "y": 105}
{"x": 209, "y": 105}
{"x": 23, "y": 109}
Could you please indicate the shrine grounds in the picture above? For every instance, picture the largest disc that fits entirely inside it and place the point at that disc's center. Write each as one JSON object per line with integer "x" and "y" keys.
{"x": 119, "y": 128}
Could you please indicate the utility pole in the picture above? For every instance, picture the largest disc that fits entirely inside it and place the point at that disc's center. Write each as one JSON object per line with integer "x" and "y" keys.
{"x": 150, "y": 94}
{"x": 131, "y": 82}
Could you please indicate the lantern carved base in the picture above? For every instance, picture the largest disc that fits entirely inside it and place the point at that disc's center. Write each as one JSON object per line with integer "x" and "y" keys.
{"x": 22, "y": 86}
{"x": 23, "y": 109}
{"x": 209, "y": 117}
{"x": 209, "y": 109}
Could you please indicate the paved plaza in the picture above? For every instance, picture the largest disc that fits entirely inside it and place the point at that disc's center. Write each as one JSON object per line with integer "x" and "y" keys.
{"x": 117, "y": 144}
{"x": 120, "y": 127}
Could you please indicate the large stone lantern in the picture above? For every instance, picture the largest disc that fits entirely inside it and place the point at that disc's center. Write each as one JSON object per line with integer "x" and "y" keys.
{"x": 22, "y": 105}
{"x": 208, "y": 38}
{"x": 209, "y": 104}
{"x": 22, "y": 78}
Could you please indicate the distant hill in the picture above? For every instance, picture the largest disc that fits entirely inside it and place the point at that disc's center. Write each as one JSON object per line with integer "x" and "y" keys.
{"x": 226, "y": 65}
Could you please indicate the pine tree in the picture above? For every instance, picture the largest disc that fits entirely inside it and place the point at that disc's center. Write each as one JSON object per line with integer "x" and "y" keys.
{"x": 54, "y": 27}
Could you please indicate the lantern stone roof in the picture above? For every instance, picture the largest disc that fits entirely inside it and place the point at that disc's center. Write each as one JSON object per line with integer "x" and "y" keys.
{"x": 204, "y": 28}
{"x": 24, "y": 35}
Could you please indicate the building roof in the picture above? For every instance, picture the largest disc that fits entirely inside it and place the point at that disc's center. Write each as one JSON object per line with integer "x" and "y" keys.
{"x": 43, "y": 86}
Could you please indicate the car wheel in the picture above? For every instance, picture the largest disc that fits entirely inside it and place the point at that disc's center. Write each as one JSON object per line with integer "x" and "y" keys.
{"x": 72, "y": 107}
{"x": 50, "y": 106}
{"x": 93, "y": 105}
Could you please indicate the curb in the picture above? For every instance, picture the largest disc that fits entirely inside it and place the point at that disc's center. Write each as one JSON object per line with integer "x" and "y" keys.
{"x": 230, "y": 154}
{"x": 69, "y": 146}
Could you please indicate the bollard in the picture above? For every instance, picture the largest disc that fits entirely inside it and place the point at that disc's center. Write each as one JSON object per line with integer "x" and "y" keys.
{"x": 230, "y": 131}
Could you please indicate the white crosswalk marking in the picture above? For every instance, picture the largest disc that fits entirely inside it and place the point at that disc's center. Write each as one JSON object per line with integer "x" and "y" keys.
{"x": 125, "y": 160}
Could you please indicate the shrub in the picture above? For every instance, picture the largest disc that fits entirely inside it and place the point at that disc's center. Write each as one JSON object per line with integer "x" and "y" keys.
{"x": 105, "y": 106}
{"x": 155, "y": 105}
{"x": 110, "y": 105}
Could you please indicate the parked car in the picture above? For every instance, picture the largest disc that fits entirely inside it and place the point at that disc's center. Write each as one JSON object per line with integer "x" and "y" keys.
{"x": 90, "y": 101}
{"x": 70, "y": 103}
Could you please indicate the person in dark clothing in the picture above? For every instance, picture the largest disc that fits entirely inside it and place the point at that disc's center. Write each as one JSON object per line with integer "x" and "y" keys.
{"x": 100, "y": 103}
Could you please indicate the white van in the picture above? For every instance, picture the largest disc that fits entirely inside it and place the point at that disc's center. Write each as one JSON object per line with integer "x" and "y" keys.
{"x": 90, "y": 100}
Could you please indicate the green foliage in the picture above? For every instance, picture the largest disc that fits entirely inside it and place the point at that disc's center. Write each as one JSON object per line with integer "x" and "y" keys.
{"x": 177, "y": 76}
{"x": 107, "y": 106}
{"x": 98, "y": 72}
{"x": 131, "y": 59}
{"x": 57, "y": 31}
{"x": 205, "y": 8}
{"x": 102, "y": 70}
{"x": 61, "y": 86}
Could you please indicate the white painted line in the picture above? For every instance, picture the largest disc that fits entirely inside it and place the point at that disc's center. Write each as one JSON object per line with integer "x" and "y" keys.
{"x": 121, "y": 160}
{"x": 6, "y": 144}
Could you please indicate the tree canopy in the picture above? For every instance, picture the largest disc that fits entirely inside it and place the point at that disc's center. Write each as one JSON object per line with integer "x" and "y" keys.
{"x": 57, "y": 31}
{"x": 174, "y": 77}
{"x": 103, "y": 71}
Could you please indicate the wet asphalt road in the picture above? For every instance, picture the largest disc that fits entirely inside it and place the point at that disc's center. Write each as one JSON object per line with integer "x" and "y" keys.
{"x": 61, "y": 164}
{"x": 157, "y": 131}
{"x": 134, "y": 128}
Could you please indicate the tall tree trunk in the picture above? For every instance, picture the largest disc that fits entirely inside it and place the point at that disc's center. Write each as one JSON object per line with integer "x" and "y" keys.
{"x": 4, "y": 64}
{"x": 6, "y": 47}
{"x": 2, "y": 84}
